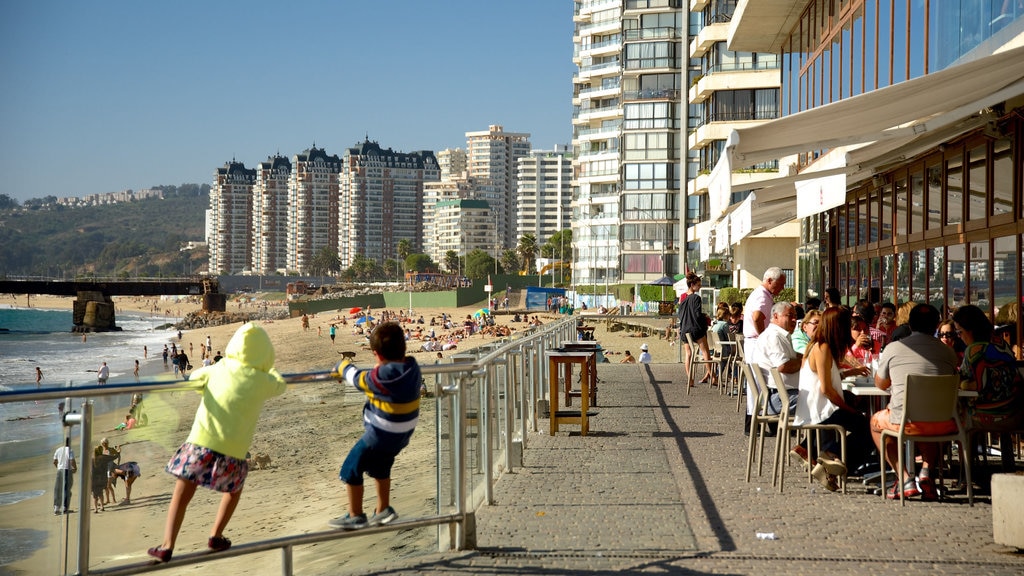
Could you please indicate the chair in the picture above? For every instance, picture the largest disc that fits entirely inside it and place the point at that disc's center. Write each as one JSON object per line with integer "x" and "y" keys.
{"x": 695, "y": 358}
{"x": 786, "y": 426}
{"x": 724, "y": 352}
{"x": 929, "y": 399}
{"x": 759, "y": 420}
{"x": 741, "y": 380}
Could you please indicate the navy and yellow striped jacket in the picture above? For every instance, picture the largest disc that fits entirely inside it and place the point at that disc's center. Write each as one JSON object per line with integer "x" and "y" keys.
{"x": 392, "y": 406}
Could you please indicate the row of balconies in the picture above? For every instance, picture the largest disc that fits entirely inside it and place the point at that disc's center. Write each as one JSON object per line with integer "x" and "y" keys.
{"x": 738, "y": 79}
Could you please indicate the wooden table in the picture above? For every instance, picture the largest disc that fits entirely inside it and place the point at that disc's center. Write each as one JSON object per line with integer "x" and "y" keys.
{"x": 592, "y": 347}
{"x": 562, "y": 362}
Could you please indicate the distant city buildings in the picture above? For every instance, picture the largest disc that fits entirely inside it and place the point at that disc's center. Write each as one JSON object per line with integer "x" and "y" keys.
{"x": 110, "y": 198}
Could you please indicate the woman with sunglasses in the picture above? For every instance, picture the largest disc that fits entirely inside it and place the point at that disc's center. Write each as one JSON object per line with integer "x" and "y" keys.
{"x": 802, "y": 336}
{"x": 990, "y": 368}
{"x": 947, "y": 335}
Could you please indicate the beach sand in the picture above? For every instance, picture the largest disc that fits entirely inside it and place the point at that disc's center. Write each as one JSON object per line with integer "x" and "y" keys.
{"x": 306, "y": 432}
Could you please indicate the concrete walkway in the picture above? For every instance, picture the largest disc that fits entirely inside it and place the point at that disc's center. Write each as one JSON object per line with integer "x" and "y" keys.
{"x": 657, "y": 487}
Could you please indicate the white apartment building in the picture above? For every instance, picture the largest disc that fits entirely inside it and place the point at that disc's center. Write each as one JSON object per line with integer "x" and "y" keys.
{"x": 270, "y": 215}
{"x": 628, "y": 140}
{"x": 729, "y": 90}
{"x": 461, "y": 226}
{"x": 381, "y": 201}
{"x": 230, "y": 218}
{"x": 491, "y": 158}
{"x": 544, "y": 193}
{"x": 435, "y": 241}
{"x": 452, "y": 162}
{"x": 312, "y": 207}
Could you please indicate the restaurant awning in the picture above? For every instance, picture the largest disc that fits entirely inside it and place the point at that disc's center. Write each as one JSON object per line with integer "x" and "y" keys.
{"x": 863, "y": 132}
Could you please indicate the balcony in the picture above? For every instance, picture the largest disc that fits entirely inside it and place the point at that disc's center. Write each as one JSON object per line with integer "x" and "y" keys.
{"x": 707, "y": 37}
{"x": 738, "y": 79}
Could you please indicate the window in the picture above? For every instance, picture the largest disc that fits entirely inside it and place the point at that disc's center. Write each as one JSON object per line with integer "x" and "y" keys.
{"x": 733, "y": 105}
{"x": 649, "y": 115}
{"x": 651, "y": 177}
{"x": 641, "y": 55}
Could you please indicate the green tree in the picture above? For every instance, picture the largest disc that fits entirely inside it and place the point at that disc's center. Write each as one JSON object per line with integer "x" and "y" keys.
{"x": 325, "y": 262}
{"x": 404, "y": 249}
{"x": 510, "y": 261}
{"x": 559, "y": 246}
{"x": 6, "y": 202}
{"x": 527, "y": 250}
{"x": 451, "y": 261}
{"x": 479, "y": 264}
{"x": 420, "y": 263}
{"x": 392, "y": 268}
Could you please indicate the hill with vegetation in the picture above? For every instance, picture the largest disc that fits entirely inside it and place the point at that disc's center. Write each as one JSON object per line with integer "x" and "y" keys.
{"x": 143, "y": 238}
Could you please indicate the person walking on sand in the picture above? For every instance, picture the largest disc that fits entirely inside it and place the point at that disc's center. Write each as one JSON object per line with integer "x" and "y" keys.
{"x": 136, "y": 371}
{"x": 213, "y": 455}
{"x": 39, "y": 377}
{"x": 390, "y": 415}
{"x": 102, "y": 374}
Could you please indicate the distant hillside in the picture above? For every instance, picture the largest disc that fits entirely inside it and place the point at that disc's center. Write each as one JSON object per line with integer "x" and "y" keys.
{"x": 139, "y": 238}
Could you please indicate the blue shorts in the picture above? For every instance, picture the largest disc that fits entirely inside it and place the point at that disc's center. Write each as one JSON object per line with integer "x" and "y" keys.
{"x": 375, "y": 461}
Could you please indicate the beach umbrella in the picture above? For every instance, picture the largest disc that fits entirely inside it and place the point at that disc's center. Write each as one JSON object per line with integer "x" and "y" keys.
{"x": 664, "y": 281}
{"x": 364, "y": 319}
{"x": 355, "y": 310}
{"x": 482, "y": 312}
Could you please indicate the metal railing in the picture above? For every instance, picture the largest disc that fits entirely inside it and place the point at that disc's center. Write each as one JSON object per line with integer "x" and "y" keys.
{"x": 493, "y": 389}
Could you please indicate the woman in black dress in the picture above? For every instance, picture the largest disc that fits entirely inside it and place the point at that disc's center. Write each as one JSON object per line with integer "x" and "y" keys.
{"x": 693, "y": 321}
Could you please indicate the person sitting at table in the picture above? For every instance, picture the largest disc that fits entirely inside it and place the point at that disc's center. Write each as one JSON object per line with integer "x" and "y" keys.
{"x": 803, "y": 335}
{"x": 885, "y": 322}
{"x": 902, "y": 329}
{"x": 821, "y": 399}
{"x": 919, "y": 353}
{"x": 990, "y": 369}
{"x": 775, "y": 350}
{"x": 946, "y": 333}
{"x": 860, "y": 352}
{"x": 1007, "y": 334}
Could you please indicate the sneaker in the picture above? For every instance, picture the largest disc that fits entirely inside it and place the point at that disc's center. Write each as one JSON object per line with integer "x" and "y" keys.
{"x": 218, "y": 543}
{"x": 910, "y": 490}
{"x": 385, "y": 516}
{"x": 833, "y": 466}
{"x": 828, "y": 481}
{"x": 161, "y": 554}
{"x": 348, "y": 522}
{"x": 927, "y": 488}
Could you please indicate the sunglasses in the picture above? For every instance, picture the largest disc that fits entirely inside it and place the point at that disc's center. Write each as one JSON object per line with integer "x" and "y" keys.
{"x": 947, "y": 334}
{"x": 814, "y": 323}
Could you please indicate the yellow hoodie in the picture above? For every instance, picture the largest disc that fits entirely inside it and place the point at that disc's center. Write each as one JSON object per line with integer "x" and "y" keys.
{"x": 234, "y": 390}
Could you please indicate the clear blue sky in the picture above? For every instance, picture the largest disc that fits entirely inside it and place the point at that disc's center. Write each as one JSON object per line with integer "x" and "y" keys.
{"x": 106, "y": 96}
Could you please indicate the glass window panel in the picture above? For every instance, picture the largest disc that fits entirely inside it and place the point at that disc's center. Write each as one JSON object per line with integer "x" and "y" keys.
{"x": 887, "y": 278}
{"x": 873, "y": 207}
{"x": 884, "y": 42}
{"x": 857, "y": 54}
{"x": 903, "y": 273}
{"x": 837, "y": 66}
{"x": 919, "y": 272}
{"x": 1006, "y": 271}
{"x": 886, "y": 215}
{"x": 1002, "y": 177}
{"x": 864, "y": 281}
{"x": 978, "y": 280}
{"x": 862, "y": 222}
{"x": 901, "y": 207}
{"x": 875, "y": 274}
{"x": 870, "y": 44}
{"x": 899, "y": 41}
{"x": 934, "y": 197}
{"x": 917, "y": 39}
{"x": 916, "y": 209}
{"x": 976, "y": 200}
{"x": 954, "y": 189}
{"x": 851, "y": 224}
{"x": 937, "y": 278}
{"x": 956, "y": 266}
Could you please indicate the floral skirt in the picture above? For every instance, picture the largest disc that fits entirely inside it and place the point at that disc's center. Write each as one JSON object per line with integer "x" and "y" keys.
{"x": 207, "y": 468}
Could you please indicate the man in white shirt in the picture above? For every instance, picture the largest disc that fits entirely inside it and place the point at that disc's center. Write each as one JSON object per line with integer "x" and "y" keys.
{"x": 775, "y": 350}
{"x": 756, "y": 315}
{"x": 645, "y": 356}
{"x": 64, "y": 462}
{"x": 102, "y": 374}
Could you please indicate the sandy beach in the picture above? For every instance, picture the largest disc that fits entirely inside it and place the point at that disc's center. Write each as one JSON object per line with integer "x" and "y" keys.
{"x": 306, "y": 432}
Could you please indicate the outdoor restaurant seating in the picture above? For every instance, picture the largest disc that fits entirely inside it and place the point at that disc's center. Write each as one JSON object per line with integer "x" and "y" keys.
{"x": 695, "y": 359}
{"x": 929, "y": 399}
{"x": 811, "y": 432}
{"x": 760, "y": 420}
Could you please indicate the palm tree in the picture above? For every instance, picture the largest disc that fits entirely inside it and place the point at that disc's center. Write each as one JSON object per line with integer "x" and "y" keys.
{"x": 451, "y": 261}
{"x": 527, "y": 250}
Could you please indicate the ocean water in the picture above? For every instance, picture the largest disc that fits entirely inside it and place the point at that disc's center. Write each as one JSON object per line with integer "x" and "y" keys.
{"x": 31, "y": 337}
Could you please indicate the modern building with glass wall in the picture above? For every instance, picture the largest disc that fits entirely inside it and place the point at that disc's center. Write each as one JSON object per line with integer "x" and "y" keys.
{"x": 901, "y": 146}
{"x": 627, "y": 139}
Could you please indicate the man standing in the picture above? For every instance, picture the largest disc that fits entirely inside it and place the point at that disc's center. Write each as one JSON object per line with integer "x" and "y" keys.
{"x": 756, "y": 314}
{"x": 102, "y": 374}
{"x": 775, "y": 350}
{"x": 919, "y": 353}
{"x": 64, "y": 462}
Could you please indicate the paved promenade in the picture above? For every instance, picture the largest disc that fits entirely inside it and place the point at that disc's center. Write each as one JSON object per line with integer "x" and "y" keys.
{"x": 657, "y": 487}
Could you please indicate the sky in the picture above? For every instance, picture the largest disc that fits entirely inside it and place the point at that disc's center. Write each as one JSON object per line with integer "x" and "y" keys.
{"x": 106, "y": 96}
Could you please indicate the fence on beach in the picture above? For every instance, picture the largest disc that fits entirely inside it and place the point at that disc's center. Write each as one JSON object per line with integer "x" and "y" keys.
{"x": 486, "y": 402}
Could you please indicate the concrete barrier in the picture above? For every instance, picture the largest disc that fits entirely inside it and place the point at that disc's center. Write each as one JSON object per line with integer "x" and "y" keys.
{"x": 1008, "y": 509}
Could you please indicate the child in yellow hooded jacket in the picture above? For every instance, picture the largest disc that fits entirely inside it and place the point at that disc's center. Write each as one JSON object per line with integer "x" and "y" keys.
{"x": 213, "y": 455}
